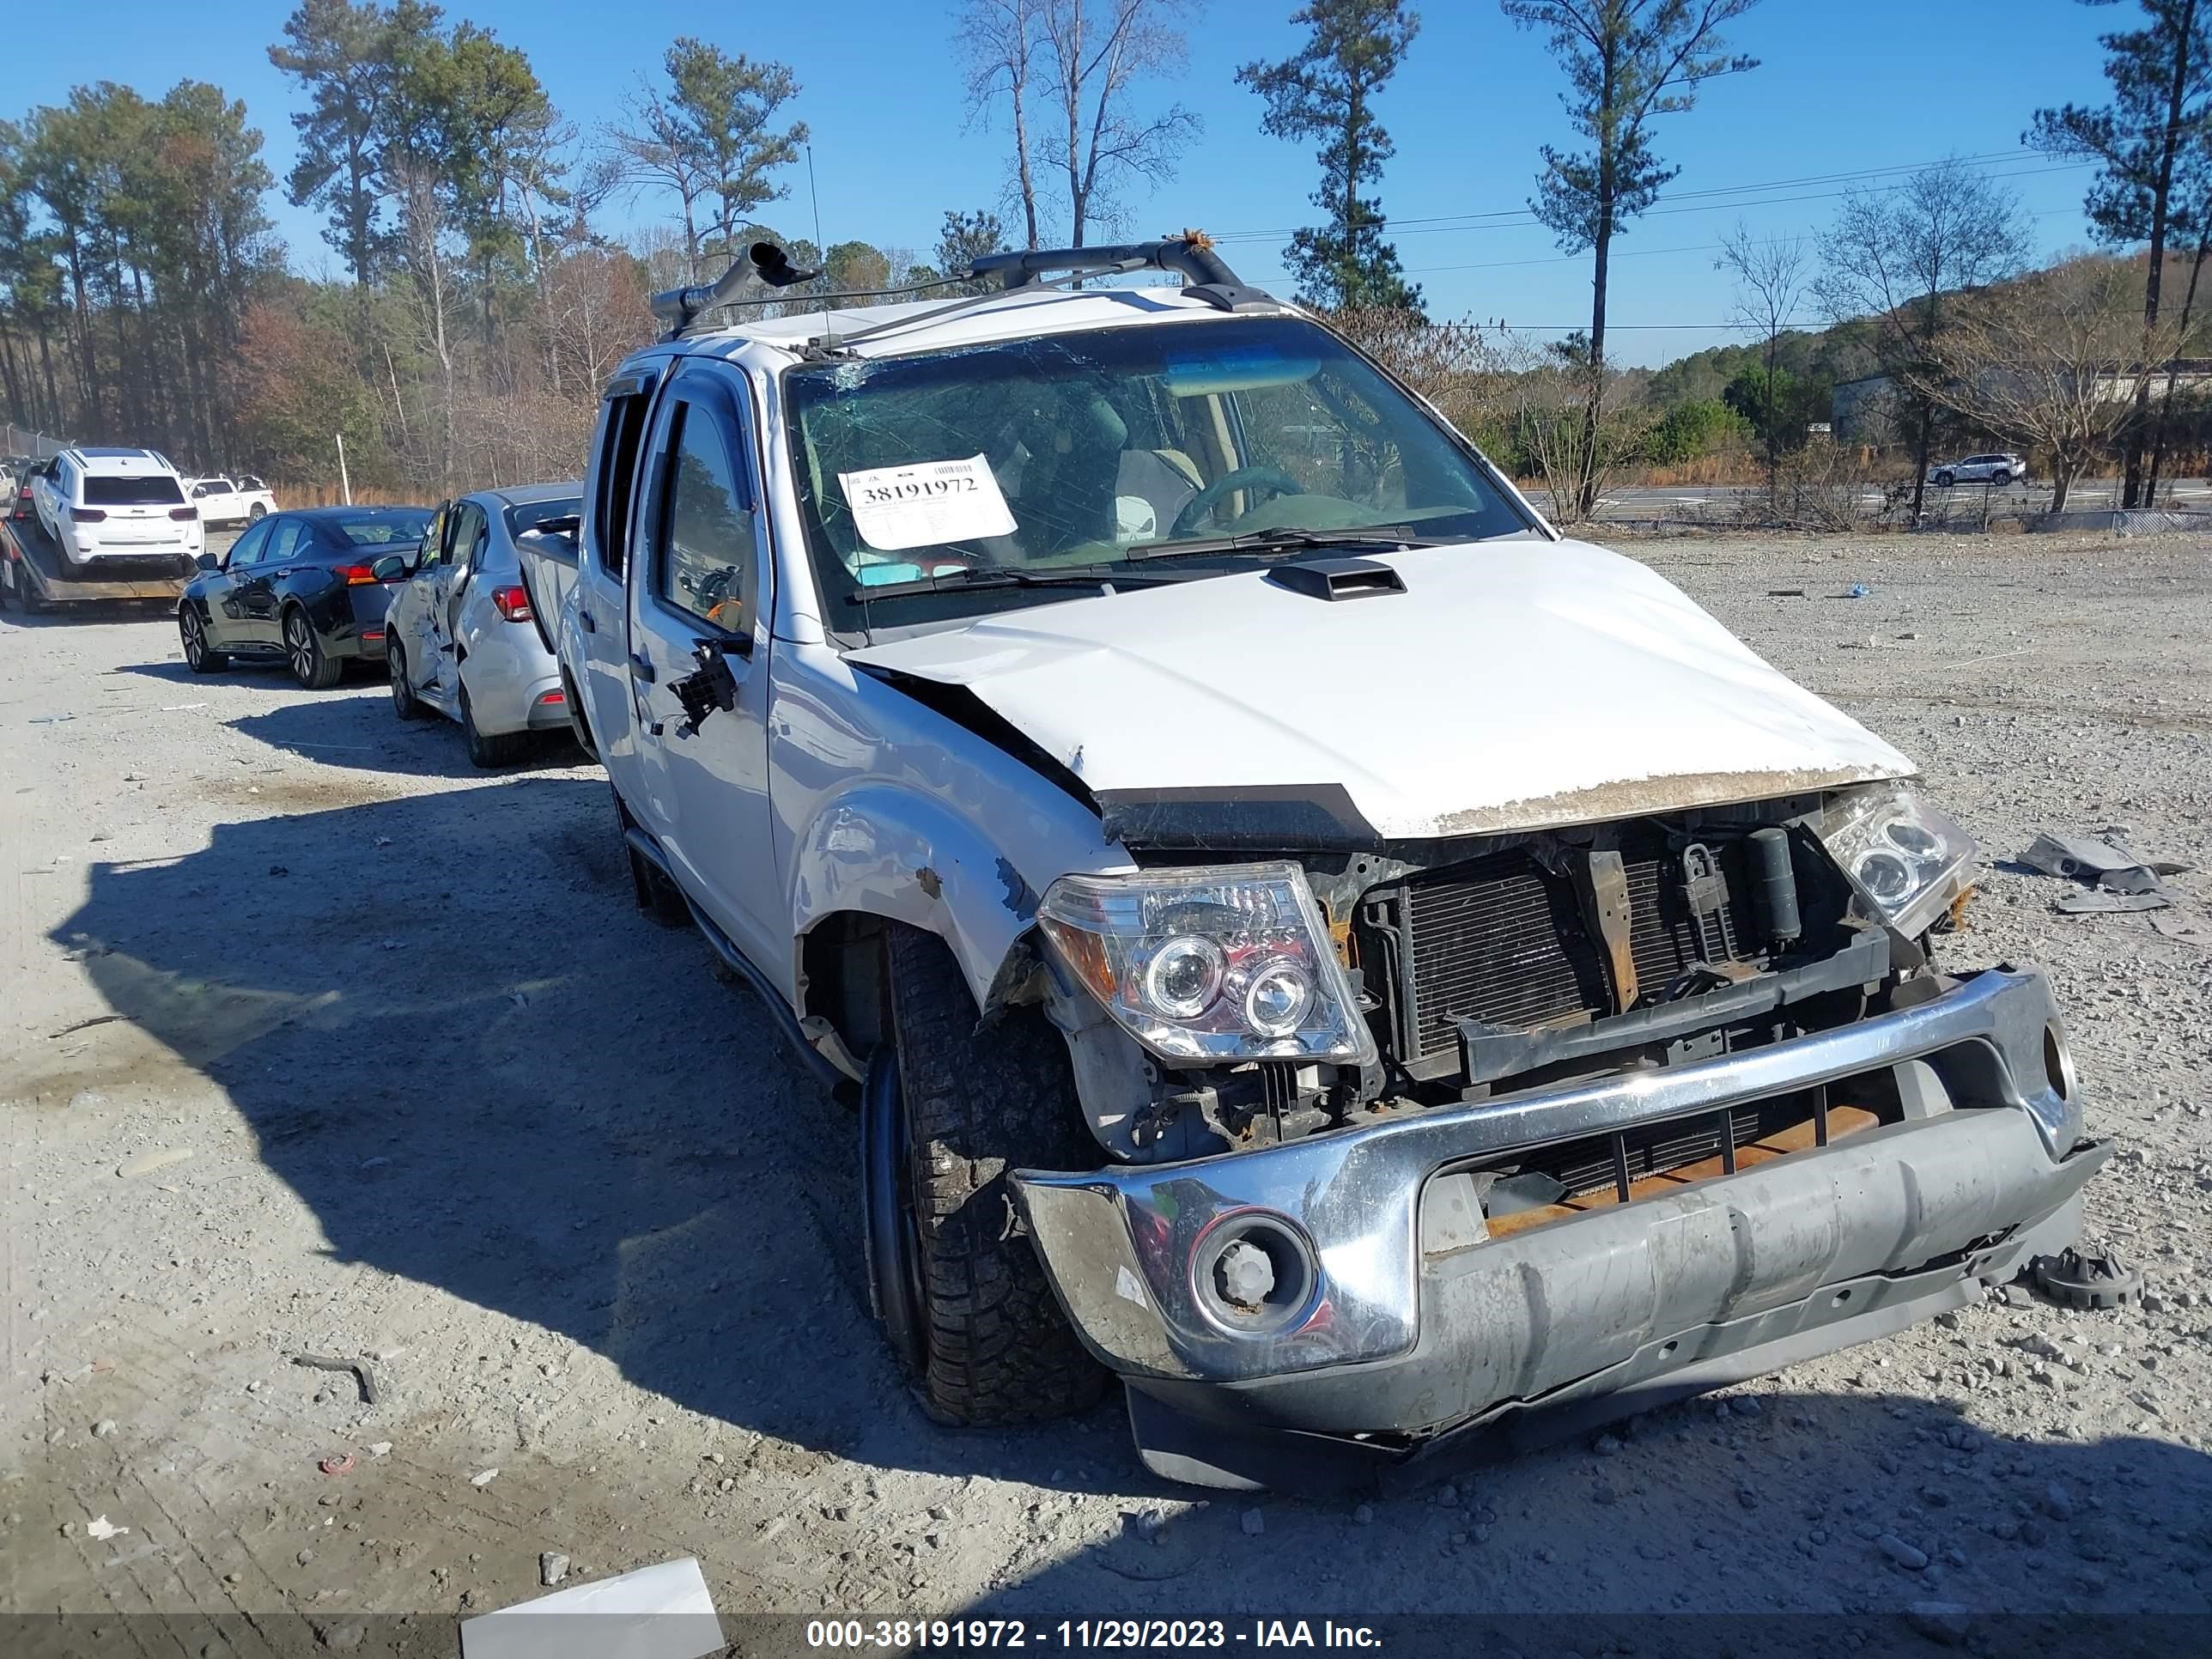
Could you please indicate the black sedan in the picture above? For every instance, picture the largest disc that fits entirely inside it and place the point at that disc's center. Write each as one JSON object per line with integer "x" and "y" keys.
{"x": 310, "y": 586}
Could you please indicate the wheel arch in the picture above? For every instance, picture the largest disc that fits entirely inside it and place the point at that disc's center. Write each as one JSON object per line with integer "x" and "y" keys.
{"x": 882, "y": 855}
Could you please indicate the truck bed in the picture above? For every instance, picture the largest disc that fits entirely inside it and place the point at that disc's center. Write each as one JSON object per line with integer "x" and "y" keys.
{"x": 32, "y": 578}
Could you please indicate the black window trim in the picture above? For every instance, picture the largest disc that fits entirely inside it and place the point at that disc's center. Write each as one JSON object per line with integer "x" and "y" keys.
{"x": 704, "y": 388}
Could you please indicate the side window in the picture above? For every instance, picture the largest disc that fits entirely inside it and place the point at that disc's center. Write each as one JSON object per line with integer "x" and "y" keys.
{"x": 621, "y": 438}
{"x": 465, "y": 529}
{"x": 706, "y": 563}
{"x": 249, "y": 548}
{"x": 285, "y": 540}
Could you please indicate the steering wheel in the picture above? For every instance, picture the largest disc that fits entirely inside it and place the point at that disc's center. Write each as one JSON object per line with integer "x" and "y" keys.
{"x": 1236, "y": 478}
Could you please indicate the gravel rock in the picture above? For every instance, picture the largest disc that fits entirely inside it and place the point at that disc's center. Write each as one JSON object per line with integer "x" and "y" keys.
{"x": 2057, "y": 1502}
{"x": 552, "y": 1568}
{"x": 1945, "y": 1622}
{"x": 1254, "y": 1523}
{"x": 1903, "y": 1554}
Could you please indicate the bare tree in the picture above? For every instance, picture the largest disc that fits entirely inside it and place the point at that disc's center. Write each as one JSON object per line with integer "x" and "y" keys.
{"x": 655, "y": 150}
{"x": 1096, "y": 53}
{"x": 1896, "y": 255}
{"x": 1770, "y": 281}
{"x": 2053, "y": 361}
{"x": 999, "y": 37}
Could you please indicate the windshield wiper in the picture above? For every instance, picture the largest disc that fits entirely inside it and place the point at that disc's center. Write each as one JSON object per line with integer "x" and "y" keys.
{"x": 972, "y": 577}
{"x": 1288, "y": 538}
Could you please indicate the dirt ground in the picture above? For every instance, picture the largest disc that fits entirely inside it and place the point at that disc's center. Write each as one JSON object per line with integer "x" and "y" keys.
{"x": 321, "y": 1042}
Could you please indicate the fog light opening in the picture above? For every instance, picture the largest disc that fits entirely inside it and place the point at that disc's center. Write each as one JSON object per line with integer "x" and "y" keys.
{"x": 1253, "y": 1274}
{"x": 2058, "y": 1062}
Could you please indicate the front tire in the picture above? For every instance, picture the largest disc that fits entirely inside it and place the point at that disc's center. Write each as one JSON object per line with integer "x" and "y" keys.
{"x": 949, "y": 1112}
{"x": 404, "y": 702}
{"x": 1945, "y": 480}
{"x": 311, "y": 665}
{"x": 199, "y": 656}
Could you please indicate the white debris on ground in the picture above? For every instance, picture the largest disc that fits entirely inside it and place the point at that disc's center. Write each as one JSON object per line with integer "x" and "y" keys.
{"x": 594, "y": 1231}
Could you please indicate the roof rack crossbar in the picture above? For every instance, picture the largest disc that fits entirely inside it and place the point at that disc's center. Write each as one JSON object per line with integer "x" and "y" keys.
{"x": 1190, "y": 255}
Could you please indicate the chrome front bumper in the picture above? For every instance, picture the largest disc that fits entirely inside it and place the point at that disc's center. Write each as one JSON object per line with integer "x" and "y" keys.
{"x": 1990, "y": 1150}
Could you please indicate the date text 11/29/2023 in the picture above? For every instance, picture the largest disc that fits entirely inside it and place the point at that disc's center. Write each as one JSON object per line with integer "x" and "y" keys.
{"x": 903, "y": 1635}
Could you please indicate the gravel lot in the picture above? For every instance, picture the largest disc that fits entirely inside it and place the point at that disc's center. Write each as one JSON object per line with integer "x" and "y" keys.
{"x": 322, "y": 1042}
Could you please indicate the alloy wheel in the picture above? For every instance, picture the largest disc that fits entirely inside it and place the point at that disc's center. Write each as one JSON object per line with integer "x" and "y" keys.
{"x": 300, "y": 645}
{"x": 195, "y": 641}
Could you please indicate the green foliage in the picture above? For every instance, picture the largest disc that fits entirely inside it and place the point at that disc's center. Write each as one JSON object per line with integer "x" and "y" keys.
{"x": 723, "y": 106}
{"x": 1626, "y": 61}
{"x": 966, "y": 238}
{"x": 1691, "y": 430}
{"x": 1327, "y": 91}
{"x": 1777, "y": 410}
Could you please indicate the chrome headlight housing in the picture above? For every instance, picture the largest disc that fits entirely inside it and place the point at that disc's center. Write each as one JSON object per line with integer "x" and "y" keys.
{"x": 1909, "y": 862}
{"x": 1210, "y": 965}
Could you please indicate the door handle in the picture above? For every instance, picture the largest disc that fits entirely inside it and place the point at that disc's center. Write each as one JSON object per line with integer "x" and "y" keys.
{"x": 639, "y": 669}
{"x": 584, "y": 621}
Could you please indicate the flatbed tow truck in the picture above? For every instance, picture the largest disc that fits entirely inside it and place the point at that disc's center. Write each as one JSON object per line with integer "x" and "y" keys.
{"x": 33, "y": 577}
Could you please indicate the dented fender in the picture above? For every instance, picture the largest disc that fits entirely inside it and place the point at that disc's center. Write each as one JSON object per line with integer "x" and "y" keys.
{"x": 885, "y": 807}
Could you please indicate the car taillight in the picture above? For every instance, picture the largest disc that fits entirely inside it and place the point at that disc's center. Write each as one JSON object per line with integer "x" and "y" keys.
{"x": 184, "y": 514}
{"x": 86, "y": 515}
{"x": 354, "y": 575}
{"x": 512, "y": 602}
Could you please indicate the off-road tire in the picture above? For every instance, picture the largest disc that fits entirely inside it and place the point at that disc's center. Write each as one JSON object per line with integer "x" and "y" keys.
{"x": 312, "y": 666}
{"x": 997, "y": 1348}
{"x": 485, "y": 750}
{"x": 207, "y": 660}
{"x": 404, "y": 702}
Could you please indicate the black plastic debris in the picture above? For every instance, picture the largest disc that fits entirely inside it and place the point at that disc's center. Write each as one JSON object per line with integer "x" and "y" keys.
{"x": 2117, "y": 878}
{"x": 2082, "y": 1279}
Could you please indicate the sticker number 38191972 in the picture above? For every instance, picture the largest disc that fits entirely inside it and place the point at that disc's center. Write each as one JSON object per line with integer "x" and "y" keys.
{"x": 926, "y": 505}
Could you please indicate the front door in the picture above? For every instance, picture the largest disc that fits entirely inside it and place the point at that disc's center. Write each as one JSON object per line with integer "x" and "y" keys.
{"x": 464, "y": 536}
{"x": 699, "y": 645}
{"x": 256, "y": 591}
{"x": 600, "y": 645}
{"x": 226, "y": 601}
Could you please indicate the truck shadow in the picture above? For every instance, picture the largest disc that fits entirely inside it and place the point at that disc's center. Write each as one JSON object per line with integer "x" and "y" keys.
{"x": 1871, "y": 1522}
{"x": 455, "y": 1038}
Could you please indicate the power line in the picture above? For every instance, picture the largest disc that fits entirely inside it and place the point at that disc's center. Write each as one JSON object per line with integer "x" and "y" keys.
{"x": 1501, "y": 217}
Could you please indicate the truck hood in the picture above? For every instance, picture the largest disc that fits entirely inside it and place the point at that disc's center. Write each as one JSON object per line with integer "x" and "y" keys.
{"x": 1513, "y": 685}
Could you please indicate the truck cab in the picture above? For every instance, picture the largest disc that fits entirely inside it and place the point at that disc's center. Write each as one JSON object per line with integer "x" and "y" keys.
{"x": 1304, "y": 940}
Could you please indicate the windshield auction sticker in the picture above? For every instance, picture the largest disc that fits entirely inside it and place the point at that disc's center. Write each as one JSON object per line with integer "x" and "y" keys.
{"x": 926, "y": 505}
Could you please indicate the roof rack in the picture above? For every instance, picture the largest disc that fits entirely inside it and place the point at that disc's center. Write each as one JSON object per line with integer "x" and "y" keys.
{"x": 767, "y": 269}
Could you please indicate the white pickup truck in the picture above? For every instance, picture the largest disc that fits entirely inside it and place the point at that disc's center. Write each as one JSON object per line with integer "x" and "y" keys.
{"x": 1308, "y": 940}
{"x": 232, "y": 501}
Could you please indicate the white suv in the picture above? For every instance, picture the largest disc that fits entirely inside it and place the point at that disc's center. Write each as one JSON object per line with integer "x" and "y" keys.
{"x": 105, "y": 504}
{"x": 1980, "y": 469}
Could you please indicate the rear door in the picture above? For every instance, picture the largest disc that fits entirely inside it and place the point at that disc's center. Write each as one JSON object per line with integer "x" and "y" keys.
{"x": 603, "y": 566}
{"x": 698, "y": 660}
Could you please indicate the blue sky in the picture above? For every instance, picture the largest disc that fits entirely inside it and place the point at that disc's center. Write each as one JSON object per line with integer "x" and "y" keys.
{"x": 1842, "y": 90}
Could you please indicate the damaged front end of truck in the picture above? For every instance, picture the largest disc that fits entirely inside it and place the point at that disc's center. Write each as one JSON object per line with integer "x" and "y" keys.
{"x": 1506, "y": 1135}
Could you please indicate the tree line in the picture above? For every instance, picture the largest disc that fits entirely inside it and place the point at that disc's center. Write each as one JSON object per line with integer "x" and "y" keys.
{"x": 478, "y": 299}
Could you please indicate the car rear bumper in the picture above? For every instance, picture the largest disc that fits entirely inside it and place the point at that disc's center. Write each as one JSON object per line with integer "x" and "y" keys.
{"x": 1413, "y": 1333}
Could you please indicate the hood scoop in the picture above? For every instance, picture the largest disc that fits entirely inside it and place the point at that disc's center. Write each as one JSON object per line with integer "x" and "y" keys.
{"x": 1338, "y": 578}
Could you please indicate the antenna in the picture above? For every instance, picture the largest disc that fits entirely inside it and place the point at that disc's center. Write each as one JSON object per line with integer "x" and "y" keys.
{"x": 814, "y": 199}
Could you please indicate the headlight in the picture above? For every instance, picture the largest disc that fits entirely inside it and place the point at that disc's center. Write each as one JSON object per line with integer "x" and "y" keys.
{"x": 1908, "y": 859}
{"x": 1224, "y": 963}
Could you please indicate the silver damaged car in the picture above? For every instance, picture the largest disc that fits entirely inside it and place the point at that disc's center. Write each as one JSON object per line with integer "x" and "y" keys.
{"x": 1307, "y": 942}
{"x": 464, "y": 636}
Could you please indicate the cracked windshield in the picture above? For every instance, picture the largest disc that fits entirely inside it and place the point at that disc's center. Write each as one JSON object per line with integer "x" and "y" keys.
{"x": 1129, "y": 454}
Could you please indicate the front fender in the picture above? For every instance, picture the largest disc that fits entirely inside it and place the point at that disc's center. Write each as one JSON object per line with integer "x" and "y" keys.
{"x": 881, "y": 849}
